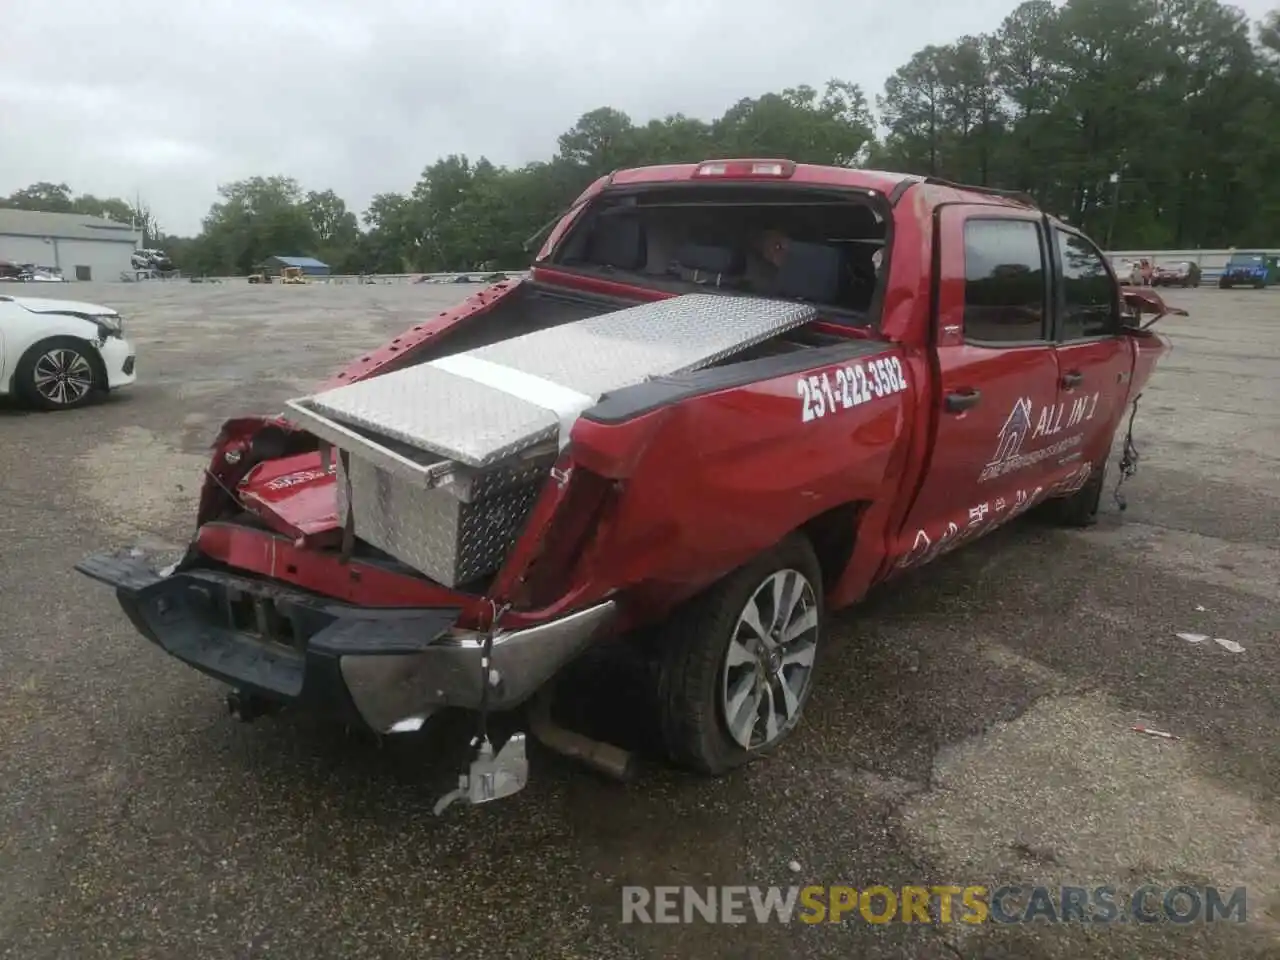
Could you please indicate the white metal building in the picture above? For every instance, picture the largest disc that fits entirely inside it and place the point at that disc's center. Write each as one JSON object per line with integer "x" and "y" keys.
{"x": 82, "y": 248}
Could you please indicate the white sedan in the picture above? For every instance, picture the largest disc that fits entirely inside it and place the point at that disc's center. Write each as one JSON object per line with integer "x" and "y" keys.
{"x": 56, "y": 354}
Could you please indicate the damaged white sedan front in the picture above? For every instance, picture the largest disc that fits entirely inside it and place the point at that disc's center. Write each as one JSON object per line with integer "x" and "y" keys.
{"x": 59, "y": 354}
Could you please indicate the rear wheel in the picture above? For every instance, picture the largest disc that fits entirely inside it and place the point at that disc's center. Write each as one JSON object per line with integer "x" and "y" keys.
{"x": 737, "y": 663}
{"x": 58, "y": 374}
{"x": 1080, "y": 509}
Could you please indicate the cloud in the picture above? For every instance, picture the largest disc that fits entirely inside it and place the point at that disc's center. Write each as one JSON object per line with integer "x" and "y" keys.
{"x": 129, "y": 98}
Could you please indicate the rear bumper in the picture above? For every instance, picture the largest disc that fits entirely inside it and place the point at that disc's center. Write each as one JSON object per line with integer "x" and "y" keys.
{"x": 377, "y": 666}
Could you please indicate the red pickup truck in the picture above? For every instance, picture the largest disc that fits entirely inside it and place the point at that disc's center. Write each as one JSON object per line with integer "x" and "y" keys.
{"x": 729, "y": 398}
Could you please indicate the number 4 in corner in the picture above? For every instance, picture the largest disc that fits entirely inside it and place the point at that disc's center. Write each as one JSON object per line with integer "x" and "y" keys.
{"x": 846, "y": 387}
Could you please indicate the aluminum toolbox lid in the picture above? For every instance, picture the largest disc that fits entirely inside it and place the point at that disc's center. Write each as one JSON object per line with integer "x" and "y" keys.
{"x": 487, "y": 404}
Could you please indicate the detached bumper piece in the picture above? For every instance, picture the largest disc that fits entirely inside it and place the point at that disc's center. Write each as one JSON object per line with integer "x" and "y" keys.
{"x": 389, "y": 669}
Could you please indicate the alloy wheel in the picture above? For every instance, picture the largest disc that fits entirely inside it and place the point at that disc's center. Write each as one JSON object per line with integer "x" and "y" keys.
{"x": 768, "y": 666}
{"x": 63, "y": 376}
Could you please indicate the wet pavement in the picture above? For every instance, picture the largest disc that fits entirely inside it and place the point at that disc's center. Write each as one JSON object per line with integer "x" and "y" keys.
{"x": 973, "y": 725}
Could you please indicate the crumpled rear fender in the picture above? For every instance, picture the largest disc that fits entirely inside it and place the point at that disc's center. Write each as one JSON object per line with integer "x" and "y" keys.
{"x": 241, "y": 444}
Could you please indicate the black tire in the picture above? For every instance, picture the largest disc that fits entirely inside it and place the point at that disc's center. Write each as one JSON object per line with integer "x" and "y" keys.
{"x": 73, "y": 362}
{"x": 693, "y": 668}
{"x": 1080, "y": 509}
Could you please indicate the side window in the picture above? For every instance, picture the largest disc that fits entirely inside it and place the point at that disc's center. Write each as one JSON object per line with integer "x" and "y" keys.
{"x": 1089, "y": 302}
{"x": 1004, "y": 281}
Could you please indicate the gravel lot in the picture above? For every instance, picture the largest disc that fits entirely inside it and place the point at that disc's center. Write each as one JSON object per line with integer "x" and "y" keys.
{"x": 975, "y": 726}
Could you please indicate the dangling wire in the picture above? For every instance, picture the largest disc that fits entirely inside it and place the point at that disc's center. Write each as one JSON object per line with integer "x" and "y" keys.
{"x": 1129, "y": 457}
{"x": 486, "y": 661}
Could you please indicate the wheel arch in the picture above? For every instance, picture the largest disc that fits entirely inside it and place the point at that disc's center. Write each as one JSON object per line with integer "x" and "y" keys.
{"x": 92, "y": 351}
{"x": 833, "y": 535}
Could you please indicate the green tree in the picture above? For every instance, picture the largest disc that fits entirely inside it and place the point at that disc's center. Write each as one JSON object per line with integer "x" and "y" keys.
{"x": 336, "y": 230}
{"x": 1269, "y": 34}
{"x": 1179, "y": 100}
{"x": 833, "y": 127}
{"x": 43, "y": 196}
{"x": 913, "y": 110}
{"x": 255, "y": 219}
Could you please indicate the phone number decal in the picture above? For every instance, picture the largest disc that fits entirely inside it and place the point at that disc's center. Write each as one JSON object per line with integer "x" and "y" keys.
{"x": 852, "y": 386}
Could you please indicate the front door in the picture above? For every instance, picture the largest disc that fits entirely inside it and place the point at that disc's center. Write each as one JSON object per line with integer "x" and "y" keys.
{"x": 1095, "y": 360}
{"x": 998, "y": 377}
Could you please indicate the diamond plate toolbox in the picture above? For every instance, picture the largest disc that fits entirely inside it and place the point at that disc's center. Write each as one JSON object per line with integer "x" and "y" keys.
{"x": 436, "y": 411}
{"x": 445, "y": 464}
{"x": 451, "y": 540}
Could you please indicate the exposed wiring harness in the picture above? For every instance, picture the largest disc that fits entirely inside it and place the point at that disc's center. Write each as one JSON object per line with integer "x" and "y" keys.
{"x": 1129, "y": 457}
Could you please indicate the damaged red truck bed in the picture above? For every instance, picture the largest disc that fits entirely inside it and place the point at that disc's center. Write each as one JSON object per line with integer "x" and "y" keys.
{"x": 749, "y": 391}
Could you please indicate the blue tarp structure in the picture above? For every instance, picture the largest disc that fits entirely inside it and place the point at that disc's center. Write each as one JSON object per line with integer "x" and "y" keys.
{"x": 310, "y": 266}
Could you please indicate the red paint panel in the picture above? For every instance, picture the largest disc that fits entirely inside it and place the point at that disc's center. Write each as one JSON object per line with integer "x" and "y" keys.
{"x": 296, "y": 495}
{"x": 392, "y": 352}
{"x": 731, "y": 473}
{"x": 322, "y": 572}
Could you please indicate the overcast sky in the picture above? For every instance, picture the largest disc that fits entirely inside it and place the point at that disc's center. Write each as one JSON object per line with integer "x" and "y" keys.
{"x": 169, "y": 99}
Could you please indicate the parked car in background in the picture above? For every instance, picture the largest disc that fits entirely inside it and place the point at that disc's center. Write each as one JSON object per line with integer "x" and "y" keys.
{"x": 39, "y": 274}
{"x": 1126, "y": 271}
{"x": 30, "y": 273}
{"x": 1177, "y": 273}
{"x": 1256, "y": 270}
{"x": 57, "y": 354}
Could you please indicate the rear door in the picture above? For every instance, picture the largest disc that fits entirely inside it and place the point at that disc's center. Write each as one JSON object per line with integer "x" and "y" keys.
{"x": 998, "y": 380}
{"x": 1095, "y": 360}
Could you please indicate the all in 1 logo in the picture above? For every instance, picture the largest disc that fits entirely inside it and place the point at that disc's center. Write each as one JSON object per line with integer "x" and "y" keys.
{"x": 1012, "y": 434}
{"x": 1008, "y": 455}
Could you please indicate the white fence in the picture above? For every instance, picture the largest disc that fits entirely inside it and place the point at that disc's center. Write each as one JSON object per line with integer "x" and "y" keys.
{"x": 1211, "y": 263}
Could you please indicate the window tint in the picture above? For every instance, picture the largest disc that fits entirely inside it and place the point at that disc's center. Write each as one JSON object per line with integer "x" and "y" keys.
{"x": 1004, "y": 288}
{"x": 1089, "y": 297}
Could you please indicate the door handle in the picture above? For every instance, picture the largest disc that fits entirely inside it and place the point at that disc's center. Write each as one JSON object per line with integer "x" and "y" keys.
{"x": 962, "y": 400}
{"x": 1072, "y": 378}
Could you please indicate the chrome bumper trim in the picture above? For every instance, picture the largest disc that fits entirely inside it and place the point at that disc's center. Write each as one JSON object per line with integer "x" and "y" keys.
{"x": 388, "y": 689}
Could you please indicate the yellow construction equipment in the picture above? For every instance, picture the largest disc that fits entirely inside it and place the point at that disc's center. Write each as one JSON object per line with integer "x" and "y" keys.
{"x": 287, "y": 275}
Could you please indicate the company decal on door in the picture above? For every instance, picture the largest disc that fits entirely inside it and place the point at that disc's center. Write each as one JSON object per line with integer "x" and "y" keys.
{"x": 986, "y": 516}
{"x": 1025, "y": 423}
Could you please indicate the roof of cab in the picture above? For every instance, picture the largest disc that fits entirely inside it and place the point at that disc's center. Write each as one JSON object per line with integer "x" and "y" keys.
{"x": 805, "y": 173}
{"x": 886, "y": 183}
